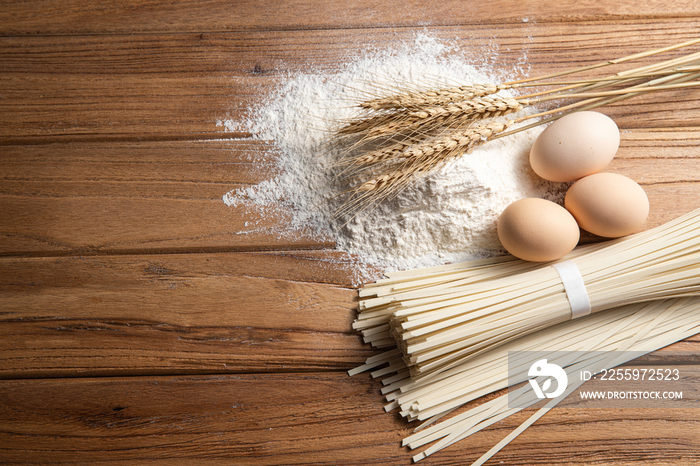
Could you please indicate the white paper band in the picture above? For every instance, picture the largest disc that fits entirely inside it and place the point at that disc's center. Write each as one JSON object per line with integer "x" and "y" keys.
{"x": 574, "y": 287}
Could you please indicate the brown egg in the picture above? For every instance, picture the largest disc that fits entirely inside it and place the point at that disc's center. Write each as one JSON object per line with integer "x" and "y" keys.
{"x": 576, "y": 145}
{"x": 608, "y": 204}
{"x": 537, "y": 230}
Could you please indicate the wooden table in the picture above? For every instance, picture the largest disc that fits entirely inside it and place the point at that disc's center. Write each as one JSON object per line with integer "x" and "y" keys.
{"x": 142, "y": 321}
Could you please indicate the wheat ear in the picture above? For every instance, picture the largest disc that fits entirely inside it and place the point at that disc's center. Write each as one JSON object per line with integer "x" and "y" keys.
{"x": 411, "y": 100}
{"x": 402, "y": 133}
{"x": 425, "y": 157}
{"x": 431, "y": 118}
{"x": 416, "y": 161}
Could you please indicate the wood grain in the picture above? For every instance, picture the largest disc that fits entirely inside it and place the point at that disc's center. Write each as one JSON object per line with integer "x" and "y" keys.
{"x": 135, "y": 87}
{"x": 140, "y": 196}
{"x": 182, "y": 314}
{"x": 315, "y": 418}
{"x": 91, "y": 17}
{"x": 142, "y": 321}
{"x": 165, "y": 196}
{"x": 177, "y": 314}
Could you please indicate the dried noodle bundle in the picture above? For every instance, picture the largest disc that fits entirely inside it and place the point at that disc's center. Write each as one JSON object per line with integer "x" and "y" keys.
{"x": 439, "y": 329}
{"x": 644, "y": 327}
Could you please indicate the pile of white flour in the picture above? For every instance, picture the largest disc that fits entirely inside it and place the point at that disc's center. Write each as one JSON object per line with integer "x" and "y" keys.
{"x": 448, "y": 217}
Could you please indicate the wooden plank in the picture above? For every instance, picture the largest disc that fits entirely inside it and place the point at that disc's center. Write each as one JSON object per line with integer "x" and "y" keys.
{"x": 223, "y": 163}
{"x": 315, "y": 418}
{"x": 177, "y": 314}
{"x": 161, "y": 196}
{"x": 182, "y": 314}
{"x": 665, "y": 164}
{"x": 111, "y": 87}
{"x": 80, "y": 17}
{"x": 139, "y": 196}
{"x": 660, "y": 143}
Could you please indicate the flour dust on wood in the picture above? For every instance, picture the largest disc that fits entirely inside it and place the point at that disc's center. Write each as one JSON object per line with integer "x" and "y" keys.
{"x": 447, "y": 217}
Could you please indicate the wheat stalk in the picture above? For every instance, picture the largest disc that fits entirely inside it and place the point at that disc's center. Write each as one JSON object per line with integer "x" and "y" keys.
{"x": 430, "y": 97}
{"x": 408, "y": 135}
{"x": 407, "y": 161}
{"x": 430, "y": 118}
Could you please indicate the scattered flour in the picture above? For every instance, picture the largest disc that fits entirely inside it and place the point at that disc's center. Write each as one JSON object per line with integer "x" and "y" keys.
{"x": 448, "y": 217}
